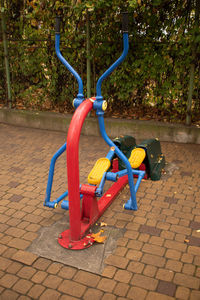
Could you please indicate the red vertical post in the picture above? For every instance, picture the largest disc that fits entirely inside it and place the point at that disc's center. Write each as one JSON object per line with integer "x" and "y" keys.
{"x": 73, "y": 168}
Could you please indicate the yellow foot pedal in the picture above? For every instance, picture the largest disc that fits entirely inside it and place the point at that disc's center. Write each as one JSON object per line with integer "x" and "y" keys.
{"x": 101, "y": 166}
{"x": 137, "y": 157}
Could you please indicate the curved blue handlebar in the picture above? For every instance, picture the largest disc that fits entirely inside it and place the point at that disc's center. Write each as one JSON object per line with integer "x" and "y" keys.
{"x": 113, "y": 66}
{"x": 69, "y": 67}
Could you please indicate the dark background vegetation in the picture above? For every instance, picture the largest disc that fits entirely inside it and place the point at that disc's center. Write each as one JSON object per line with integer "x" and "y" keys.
{"x": 159, "y": 78}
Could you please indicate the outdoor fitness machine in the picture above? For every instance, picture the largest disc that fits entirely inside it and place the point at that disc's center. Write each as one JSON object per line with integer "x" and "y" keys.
{"x": 124, "y": 161}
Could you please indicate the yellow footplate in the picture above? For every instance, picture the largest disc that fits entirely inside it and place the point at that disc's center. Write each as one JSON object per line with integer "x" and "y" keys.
{"x": 101, "y": 166}
{"x": 137, "y": 157}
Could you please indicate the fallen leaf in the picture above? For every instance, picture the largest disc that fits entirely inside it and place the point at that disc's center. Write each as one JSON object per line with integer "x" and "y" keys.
{"x": 198, "y": 230}
{"x": 100, "y": 239}
{"x": 97, "y": 237}
{"x": 102, "y": 224}
{"x": 186, "y": 241}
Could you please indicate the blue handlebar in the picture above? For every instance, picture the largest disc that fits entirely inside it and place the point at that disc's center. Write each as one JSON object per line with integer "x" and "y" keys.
{"x": 69, "y": 67}
{"x": 113, "y": 66}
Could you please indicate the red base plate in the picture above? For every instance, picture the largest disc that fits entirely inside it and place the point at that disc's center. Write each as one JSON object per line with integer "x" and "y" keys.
{"x": 83, "y": 243}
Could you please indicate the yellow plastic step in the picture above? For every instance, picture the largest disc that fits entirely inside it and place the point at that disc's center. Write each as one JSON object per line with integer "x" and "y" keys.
{"x": 96, "y": 174}
{"x": 137, "y": 157}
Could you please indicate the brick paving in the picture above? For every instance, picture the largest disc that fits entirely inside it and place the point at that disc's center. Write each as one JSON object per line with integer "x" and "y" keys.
{"x": 158, "y": 257}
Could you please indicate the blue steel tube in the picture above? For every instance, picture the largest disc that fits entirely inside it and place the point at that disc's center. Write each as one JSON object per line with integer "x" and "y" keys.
{"x": 51, "y": 173}
{"x": 113, "y": 66}
{"x": 69, "y": 67}
{"x": 133, "y": 203}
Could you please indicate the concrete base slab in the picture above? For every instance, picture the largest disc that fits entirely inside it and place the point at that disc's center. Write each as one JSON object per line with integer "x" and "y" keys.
{"x": 90, "y": 259}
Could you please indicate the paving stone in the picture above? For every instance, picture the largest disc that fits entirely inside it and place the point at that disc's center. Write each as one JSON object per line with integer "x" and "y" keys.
{"x": 106, "y": 285}
{"x": 194, "y": 250}
{"x": 66, "y": 297}
{"x": 182, "y": 293}
{"x": 92, "y": 294}
{"x": 14, "y": 267}
{"x": 9, "y": 253}
{"x": 188, "y": 269}
{"x": 36, "y": 291}
{"x": 109, "y": 271}
{"x": 42, "y": 264}
{"x": 173, "y": 254}
{"x": 144, "y": 237}
{"x": 108, "y": 296}
{"x": 16, "y": 198}
{"x": 54, "y": 268}
{"x": 150, "y": 230}
{"x": 166, "y": 288}
{"x": 15, "y": 232}
{"x": 123, "y": 276}
{"x": 150, "y": 271}
{"x": 144, "y": 282}
{"x": 168, "y": 235}
{"x": 39, "y": 277}
{"x": 194, "y": 241}
{"x": 121, "y": 289}
{"x": 122, "y": 242}
{"x": 72, "y": 288}
{"x": 25, "y": 257}
{"x": 22, "y": 297}
{"x": 175, "y": 245}
{"x": 117, "y": 261}
{"x": 4, "y": 263}
{"x": 171, "y": 200}
{"x": 52, "y": 281}
{"x": 50, "y": 295}
{"x": 194, "y": 225}
{"x": 9, "y": 295}
{"x": 18, "y": 243}
{"x": 158, "y": 296}
{"x": 121, "y": 251}
{"x": 166, "y": 275}
{"x": 187, "y": 258}
{"x": 67, "y": 272}
{"x": 137, "y": 293}
{"x": 187, "y": 281}
{"x": 135, "y": 267}
{"x": 195, "y": 295}
{"x": 174, "y": 265}
{"x": 154, "y": 260}
{"x": 134, "y": 255}
{"x": 8, "y": 280}
{"x": 22, "y": 286}
{"x": 133, "y": 244}
{"x": 153, "y": 249}
{"x": 87, "y": 278}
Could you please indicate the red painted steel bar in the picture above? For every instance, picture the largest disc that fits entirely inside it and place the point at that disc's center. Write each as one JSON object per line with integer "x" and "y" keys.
{"x": 73, "y": 168}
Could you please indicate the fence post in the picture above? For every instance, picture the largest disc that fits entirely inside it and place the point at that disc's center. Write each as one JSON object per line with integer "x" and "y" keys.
{"x": 5, "y": 44}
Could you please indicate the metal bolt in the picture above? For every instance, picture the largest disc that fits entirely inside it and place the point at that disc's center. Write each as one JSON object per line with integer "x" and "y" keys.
{"x": 60, "y": 236}
{"x": 70, "y": 246}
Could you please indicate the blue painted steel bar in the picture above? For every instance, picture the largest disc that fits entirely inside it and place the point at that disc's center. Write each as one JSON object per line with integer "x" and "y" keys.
{"x": 129, "y": 203}
{"x": 123, "y": 158}
{"x": 69, "y": 67}
{"x": 110, "y": 154}
{"x": 113, "y": 66}
{"x": 124, "y": 172}
{"x": 65, "y": 204}
{"x": 50, "y": 177}
{"x": 53, "y": 204}
{"x": 110, "y": 176}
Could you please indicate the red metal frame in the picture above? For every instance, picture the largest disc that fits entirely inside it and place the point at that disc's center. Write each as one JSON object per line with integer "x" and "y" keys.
{"x": 81, "y": 220}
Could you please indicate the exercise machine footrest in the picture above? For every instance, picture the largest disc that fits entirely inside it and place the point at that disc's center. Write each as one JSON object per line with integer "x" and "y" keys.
{"x": 137, "y": 157}
{"x": 100, "y": 167}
